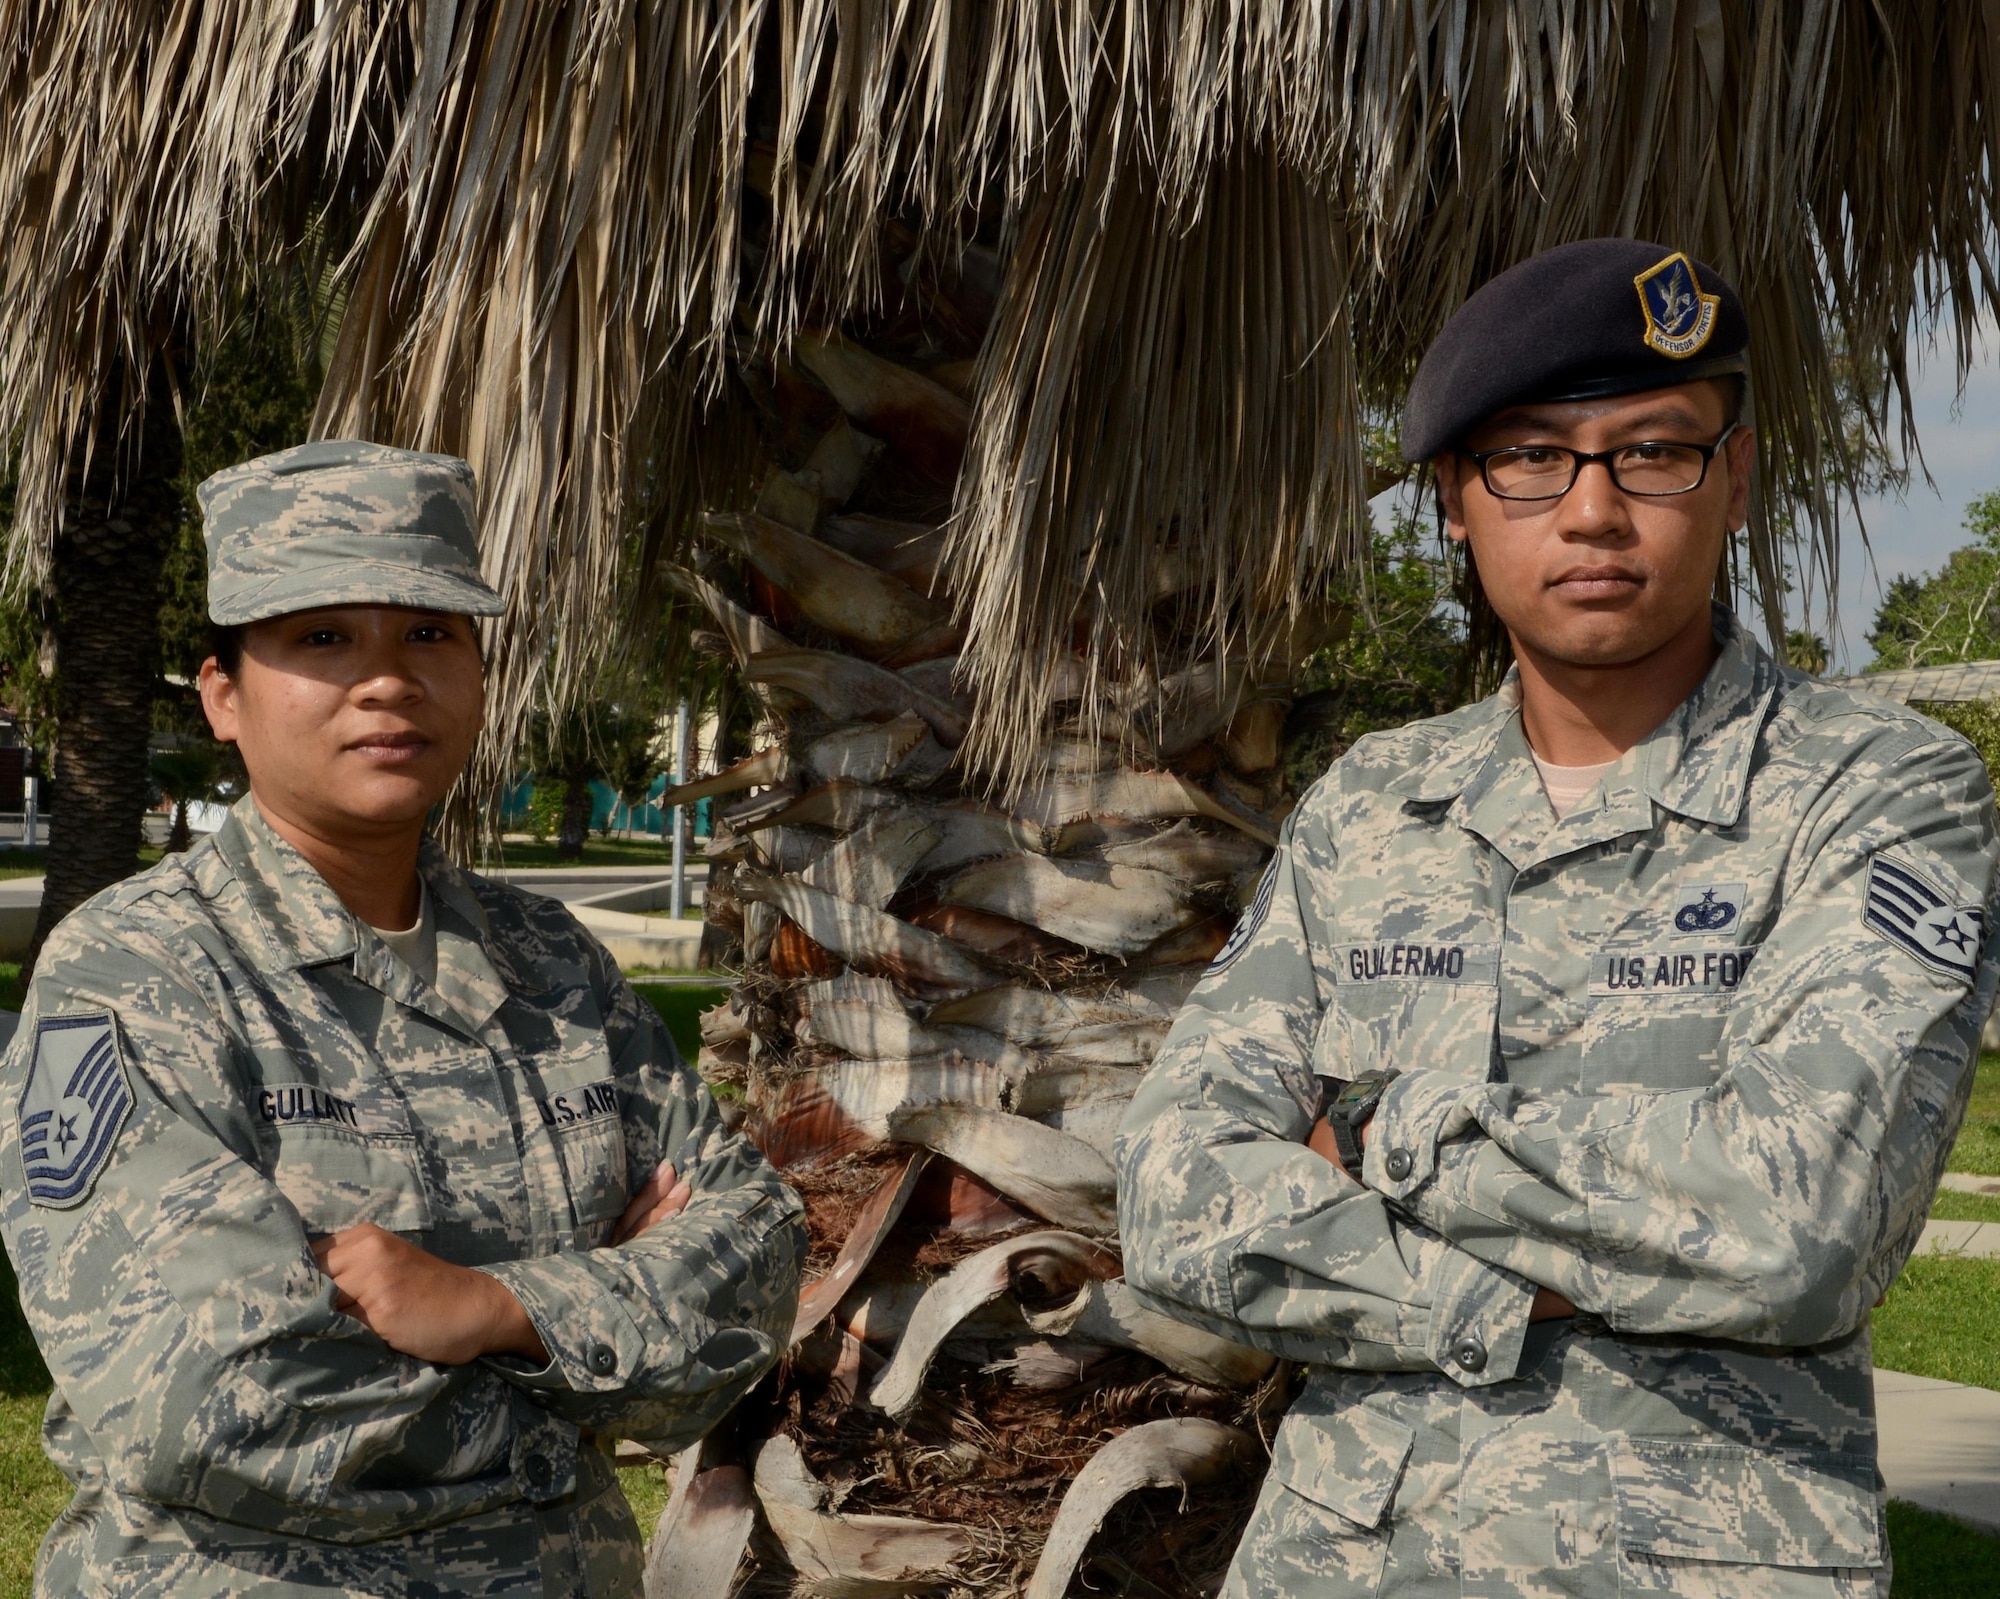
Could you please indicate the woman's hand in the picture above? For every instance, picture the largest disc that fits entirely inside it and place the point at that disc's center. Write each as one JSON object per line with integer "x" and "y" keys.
{"x": 421, "y": 1306}
{"x": 660, "y": 1196}
{"x": 432, "y": 1310}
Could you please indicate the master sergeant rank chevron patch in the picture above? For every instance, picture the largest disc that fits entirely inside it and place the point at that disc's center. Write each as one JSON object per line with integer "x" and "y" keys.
{"x": 72, "y": 1108}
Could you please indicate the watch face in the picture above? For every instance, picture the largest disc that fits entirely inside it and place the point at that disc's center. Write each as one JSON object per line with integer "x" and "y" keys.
{"x": 1359, "y": 1092}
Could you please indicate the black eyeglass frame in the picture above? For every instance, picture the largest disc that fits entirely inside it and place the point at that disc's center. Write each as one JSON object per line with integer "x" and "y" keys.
{"x": 1579, "y": 459}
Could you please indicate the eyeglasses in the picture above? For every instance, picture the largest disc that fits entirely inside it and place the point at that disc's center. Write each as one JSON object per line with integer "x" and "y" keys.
{"x": 1549, "y": 471}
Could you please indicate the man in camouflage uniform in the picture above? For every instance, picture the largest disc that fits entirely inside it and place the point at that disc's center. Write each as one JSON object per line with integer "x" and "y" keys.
{"x": 1567, "y": 1141}
{"x": 222, "y": 1071}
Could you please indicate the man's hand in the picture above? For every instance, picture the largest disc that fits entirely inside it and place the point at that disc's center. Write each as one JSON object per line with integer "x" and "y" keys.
{"x": 1321, "y": 1143}
{"x": 1548, "y": 1306}
{"x": 660, "y": 1196}
{"x": 421, "y": 1306}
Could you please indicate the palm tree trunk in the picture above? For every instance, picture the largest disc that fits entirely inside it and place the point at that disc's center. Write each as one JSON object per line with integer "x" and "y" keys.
{"x": 575, "y": 830}
{"x": 180, "y": 836}
{"x": 123, "y": 517}
{"x": 973, "y": 984}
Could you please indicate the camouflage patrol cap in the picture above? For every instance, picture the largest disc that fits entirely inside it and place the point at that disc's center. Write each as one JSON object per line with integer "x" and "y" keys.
{"x": 341, "y": 522}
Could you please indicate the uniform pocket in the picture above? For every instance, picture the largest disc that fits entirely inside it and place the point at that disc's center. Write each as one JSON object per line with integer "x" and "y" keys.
{"x": 589, "y": 1135}
{"x": 1320, "y": 1516}
{"x": 1691, "y": 1515}
{"x": 340, "y": 1179}
{"x": 1438, "y": 1016}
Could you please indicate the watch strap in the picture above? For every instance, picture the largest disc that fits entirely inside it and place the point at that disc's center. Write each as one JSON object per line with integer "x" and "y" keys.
{"x": 1345, "y": 1141}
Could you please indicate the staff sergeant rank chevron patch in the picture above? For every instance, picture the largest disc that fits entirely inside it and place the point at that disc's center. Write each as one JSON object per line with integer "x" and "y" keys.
{"x": 1906, "y": 908}
{"x": 72, "y": 1108}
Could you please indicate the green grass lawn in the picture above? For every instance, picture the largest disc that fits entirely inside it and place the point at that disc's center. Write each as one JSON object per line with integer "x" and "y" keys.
{"x": 22, "y": 863}
{"x": 1940, "y": 1320}
{"x": 680, "y": 1006}
{"x": 519, "y": 855}
{"x": 1938, "y": 1558}
{"x": 1965, "y": 1207}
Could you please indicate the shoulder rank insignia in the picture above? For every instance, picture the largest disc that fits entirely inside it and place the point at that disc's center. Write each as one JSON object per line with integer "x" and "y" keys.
{"x": 76, "y": 1100}
{"x": 1248, "y": 923}
{"x": 1679, "y": 317}
{"x": 1905, "y": 907}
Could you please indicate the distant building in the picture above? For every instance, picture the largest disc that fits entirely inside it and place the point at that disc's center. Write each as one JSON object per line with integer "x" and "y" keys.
{"x": 1962, "y": 683}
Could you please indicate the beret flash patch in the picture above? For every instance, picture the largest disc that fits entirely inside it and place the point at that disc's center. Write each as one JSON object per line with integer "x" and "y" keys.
{"x": 1905, "y": 907}
{"x": 1679, "y": 317}
{"x": 72, "y": 1108}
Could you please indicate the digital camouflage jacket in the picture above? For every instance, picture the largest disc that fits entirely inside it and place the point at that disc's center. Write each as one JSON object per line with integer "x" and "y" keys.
{"x": 1693, "y": 1056}
{"x": 218, "y": 1063}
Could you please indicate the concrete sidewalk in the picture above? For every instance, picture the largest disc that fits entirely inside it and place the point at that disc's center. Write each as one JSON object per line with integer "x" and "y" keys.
{"x": 1972, "y": 1240}
{"x": 1941, "y": 1446}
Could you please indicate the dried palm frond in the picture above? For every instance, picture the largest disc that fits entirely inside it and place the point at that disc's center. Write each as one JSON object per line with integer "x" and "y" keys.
{"x": 1230, "y": 224}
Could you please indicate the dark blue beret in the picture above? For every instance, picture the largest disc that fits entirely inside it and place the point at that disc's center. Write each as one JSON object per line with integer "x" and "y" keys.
{"x": 1579, "y": 322}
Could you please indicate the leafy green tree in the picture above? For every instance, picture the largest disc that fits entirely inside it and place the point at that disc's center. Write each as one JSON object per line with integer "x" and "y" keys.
{"x": 1952, "y": 616}
{"x": 604, "y": 740}
{"x": 1402, "y": 657}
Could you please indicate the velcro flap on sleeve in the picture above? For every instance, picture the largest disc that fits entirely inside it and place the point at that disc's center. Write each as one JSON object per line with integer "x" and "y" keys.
{"x": 1724, "y": 1502}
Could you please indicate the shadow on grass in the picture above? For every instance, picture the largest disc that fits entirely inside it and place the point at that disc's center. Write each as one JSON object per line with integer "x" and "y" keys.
{"x": 1938, "y": 1558}
{"x": 22, "y": 1374}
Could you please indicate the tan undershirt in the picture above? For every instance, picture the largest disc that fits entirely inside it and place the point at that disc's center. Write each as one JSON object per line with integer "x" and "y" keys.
{"x": 1567, "y": 785}
{"x": 416, "y": 945}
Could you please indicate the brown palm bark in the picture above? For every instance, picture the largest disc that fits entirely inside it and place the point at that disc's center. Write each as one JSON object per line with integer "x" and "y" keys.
{"x": 122, "y": 512}
{"x": 927, "y": 966}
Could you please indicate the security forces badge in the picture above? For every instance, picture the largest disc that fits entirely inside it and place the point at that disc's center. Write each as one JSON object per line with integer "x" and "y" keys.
{"x": 1679, "y": 317}
{"x": 76, "y": 1101}
{"x": 1905, "y": 907}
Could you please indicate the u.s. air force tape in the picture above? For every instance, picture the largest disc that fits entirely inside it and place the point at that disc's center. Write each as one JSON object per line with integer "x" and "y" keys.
{"x": 72, "y": 1107}
{"x": 1906, "y": 908}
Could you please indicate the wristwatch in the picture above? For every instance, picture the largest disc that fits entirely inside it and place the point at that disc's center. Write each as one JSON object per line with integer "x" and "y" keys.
{"x": 1351, "y": 1105}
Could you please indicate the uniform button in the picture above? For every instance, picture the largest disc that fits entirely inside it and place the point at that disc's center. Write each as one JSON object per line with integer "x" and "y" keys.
{"x": 1398, "y": 1165}
{"x": 1470, "y": 1355}
{"x": 603, "y": 1359}
{"x": 538, "y": 1470}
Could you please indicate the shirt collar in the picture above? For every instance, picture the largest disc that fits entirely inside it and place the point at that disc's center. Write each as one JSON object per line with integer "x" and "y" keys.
{"x": 1696, "y": 763}
{"x": 303, "y": 922}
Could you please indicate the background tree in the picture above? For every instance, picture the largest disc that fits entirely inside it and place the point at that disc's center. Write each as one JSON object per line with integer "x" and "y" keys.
{"x": 1806, "y": 650}
{"x": 1953, "y": 615}
{"x": 608, "y": 741}
{"x": 1401, "y": 656}
{"x": 189, "y": 774}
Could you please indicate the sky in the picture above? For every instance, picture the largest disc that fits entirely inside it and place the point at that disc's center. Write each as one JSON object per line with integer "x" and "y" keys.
{"x": 1960, "y": 440}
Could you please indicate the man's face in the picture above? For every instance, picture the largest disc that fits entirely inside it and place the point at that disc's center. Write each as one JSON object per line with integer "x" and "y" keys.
{"x": 352, "y": 718}
{"x": 1601, "y": 577}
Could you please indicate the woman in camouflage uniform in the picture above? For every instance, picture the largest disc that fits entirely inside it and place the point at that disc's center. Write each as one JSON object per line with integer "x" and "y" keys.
{"x": 356, "y": 1199}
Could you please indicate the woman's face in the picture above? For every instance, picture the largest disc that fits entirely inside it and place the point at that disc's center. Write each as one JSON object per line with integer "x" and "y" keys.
{"x": 354, "y": 719}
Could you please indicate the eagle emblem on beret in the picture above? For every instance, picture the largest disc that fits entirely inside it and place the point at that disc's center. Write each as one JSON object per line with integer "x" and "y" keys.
{"x": 1679, "y": 317}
